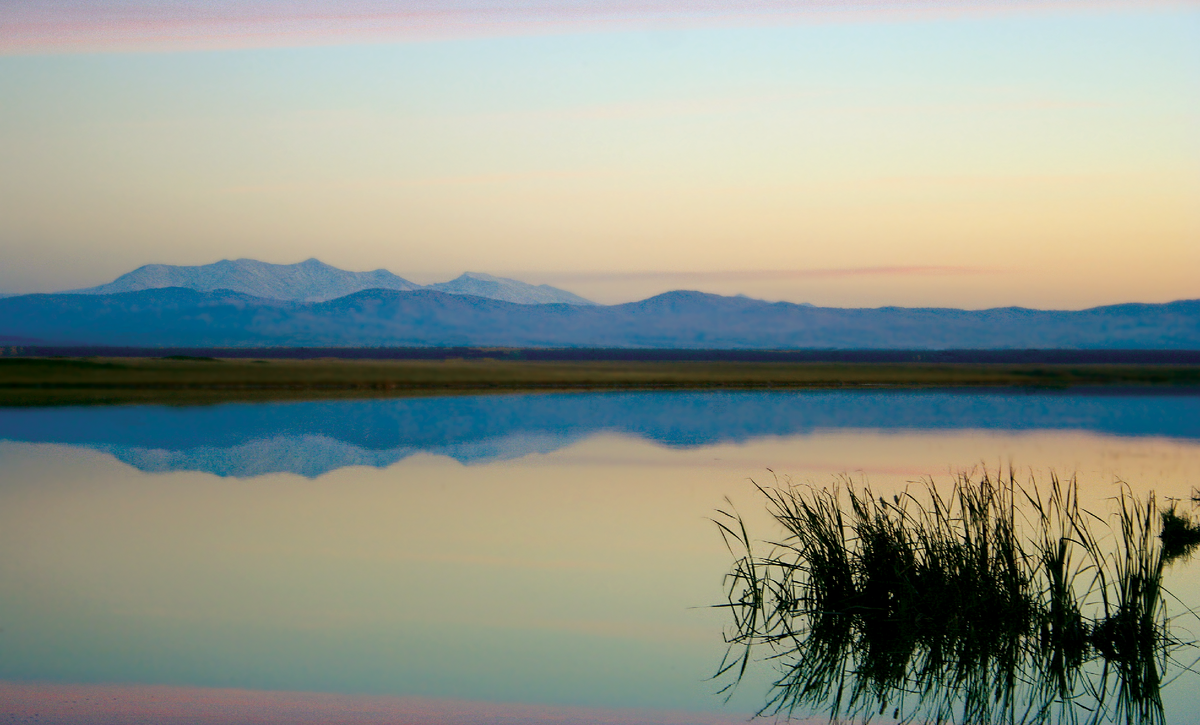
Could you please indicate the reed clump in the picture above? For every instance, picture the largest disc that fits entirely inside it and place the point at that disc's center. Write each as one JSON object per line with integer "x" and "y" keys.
{"x": 1180, "y": 535}
{"x": 992, "y": 602}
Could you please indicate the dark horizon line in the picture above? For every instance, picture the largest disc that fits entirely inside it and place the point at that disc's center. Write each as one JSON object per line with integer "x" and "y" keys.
{"x": 1047, "y": 356}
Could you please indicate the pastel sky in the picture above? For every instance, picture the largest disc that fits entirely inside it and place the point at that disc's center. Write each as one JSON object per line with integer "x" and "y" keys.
{"x": 849, "y": 153}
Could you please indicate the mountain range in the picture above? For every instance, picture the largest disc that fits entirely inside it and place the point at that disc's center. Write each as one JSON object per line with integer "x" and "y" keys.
{"x": 177, "y": 317}
{"x": 302, "y": 305}
{"x": 314, "y": 281}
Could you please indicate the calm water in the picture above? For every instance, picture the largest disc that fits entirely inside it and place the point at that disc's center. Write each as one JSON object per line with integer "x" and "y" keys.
{"x": 477, "y": 558}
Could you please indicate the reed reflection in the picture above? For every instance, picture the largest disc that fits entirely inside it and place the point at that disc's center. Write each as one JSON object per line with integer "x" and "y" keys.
{"x": 992, "y": 602}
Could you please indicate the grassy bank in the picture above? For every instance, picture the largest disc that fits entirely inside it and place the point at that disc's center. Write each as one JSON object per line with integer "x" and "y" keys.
{"x": 49, "y": 381}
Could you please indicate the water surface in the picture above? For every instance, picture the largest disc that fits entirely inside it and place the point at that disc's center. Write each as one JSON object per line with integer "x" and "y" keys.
{"x": 507, "y": 551}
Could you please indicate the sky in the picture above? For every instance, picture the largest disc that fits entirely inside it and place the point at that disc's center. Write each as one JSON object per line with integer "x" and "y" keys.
{"x": 852, "y": 153}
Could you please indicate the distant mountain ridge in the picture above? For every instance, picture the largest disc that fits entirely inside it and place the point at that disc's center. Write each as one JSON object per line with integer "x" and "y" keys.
{"x": 177, "y": 317}
{"x": 314, "y": 281}
{"x": 508, "y": 290}
{"x": 307, "y": 281}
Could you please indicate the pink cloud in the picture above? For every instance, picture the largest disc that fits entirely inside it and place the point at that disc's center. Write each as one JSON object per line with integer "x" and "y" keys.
{"x": 106, "y": 25}
{"x": 771, "y": 275}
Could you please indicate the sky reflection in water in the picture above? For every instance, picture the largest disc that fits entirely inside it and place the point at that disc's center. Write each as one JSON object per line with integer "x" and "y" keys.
{"x": 540, "y": 549}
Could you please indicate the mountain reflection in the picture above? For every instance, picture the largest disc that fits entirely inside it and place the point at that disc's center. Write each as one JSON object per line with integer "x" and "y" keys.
{"x": 312, "y": 438}
{"x": 990, "y": 603}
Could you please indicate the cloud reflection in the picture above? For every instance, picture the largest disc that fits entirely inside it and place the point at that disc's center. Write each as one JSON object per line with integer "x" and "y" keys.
{"x": 57, "y": 704}
{"x": 91, "y": 25}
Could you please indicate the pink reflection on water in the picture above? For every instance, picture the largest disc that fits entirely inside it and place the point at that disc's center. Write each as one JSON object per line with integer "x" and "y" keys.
{"x": 99, "y": 25}
{"x": 164, "y": 704}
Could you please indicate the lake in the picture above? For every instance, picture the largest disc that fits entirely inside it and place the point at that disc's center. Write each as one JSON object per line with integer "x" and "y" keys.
{"x": 502, "y": 558}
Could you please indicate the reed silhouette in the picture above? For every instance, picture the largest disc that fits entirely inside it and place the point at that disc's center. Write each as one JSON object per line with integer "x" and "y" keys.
{"x": 994, "y": 602}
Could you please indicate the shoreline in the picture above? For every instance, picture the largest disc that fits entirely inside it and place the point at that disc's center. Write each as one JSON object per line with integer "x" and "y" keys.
{"x": 29, "y": 381}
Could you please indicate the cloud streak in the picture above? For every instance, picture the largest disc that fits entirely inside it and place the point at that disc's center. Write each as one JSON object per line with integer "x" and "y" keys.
{"x": 65, "y": 26}
{"x": 775, "y": 275}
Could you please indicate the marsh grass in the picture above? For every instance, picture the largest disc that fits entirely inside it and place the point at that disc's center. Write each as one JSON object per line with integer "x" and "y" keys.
{"x": 1180, "y": 536}
{"x": 992, "y": 602}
